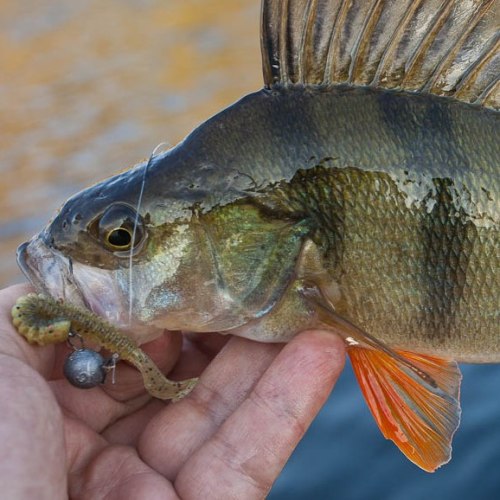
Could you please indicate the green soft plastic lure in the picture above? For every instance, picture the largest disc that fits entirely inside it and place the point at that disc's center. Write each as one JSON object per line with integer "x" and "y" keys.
{"x": 43, "y": 320}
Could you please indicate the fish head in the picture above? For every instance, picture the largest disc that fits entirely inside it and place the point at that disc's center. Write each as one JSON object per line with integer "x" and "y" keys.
{"x": 84, "y": 254}
{"x": 170, "y": 257}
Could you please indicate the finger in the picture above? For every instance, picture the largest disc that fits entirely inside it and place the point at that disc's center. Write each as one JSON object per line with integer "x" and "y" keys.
{"x": 14, "y": 344}
{"x": 198, "y": 350}
{"x": 93, "y": 406}
{"x": 243, "y": 459}
{"x": 98, "y": 470}
{"x": 30, "y": 432}
{"x": 117, "y": 473}
{"x": 208, "y": 343}
{"x": 174, "y": 434}
{"x": 164, "y": 351}
{"x": 127, "y": 430}
{"x": 82, "y": 445}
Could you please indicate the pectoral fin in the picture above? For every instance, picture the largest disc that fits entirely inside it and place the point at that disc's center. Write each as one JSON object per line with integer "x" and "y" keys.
{"x": 418, "y": 412}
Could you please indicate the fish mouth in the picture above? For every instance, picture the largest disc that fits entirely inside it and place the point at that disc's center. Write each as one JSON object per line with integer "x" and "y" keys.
{"x": 49, "y": 271}
{"x": 52, "y": 273}
{"x": 98, "y": 290}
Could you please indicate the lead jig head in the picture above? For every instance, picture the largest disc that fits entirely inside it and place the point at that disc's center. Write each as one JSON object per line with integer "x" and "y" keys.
{"x": 85, "y": 368}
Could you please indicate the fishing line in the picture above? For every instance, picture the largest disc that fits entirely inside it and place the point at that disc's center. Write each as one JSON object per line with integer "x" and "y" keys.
{"x": 136, "y": 222}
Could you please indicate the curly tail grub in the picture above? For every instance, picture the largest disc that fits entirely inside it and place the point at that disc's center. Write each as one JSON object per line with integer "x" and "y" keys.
{"x": 43, "y": 320}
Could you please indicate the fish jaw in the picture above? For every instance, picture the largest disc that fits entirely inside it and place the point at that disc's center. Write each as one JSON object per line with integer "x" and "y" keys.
{"x": 49, "y": 271}
{"x": 56, "y": 275}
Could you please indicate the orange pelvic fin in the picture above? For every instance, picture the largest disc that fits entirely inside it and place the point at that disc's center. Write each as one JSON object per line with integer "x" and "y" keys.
{"x": 414, "y": 399}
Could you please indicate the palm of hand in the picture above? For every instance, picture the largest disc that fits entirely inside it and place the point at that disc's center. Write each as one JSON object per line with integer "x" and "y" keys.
{"x": 230, "y": 438}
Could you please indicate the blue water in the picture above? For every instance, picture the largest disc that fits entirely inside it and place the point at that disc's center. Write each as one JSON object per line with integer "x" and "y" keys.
{"x": 344, "y": 457}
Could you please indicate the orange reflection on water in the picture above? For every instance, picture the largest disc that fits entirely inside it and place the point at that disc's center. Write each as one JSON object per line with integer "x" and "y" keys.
{"x": 88, "y": 88}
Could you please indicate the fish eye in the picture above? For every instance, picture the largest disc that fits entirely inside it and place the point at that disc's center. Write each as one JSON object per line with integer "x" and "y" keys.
{"x": 119, "y": 238}
{"x": 116, "y": 228}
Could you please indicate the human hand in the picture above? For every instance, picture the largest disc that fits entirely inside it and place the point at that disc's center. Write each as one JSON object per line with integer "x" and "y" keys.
{"x": 229, "y": 438}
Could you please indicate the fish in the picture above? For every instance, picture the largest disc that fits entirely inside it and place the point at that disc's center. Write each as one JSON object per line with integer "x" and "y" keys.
{"x": 357, "y": 191}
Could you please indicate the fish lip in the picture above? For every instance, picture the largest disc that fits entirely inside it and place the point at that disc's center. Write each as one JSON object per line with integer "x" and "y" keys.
{"x": 22, "y": 257}
{"x": 49, "y": 271}
{"x": 22, "y": 262}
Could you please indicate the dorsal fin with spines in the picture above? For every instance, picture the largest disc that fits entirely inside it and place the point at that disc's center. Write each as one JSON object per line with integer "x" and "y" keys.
{"x": 444, "y": 47}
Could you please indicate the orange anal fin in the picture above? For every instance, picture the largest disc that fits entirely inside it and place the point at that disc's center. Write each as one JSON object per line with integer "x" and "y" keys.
{"x": 414, "y": 399}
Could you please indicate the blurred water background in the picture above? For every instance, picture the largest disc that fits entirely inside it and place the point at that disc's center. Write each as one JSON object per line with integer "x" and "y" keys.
{"x": 87, "y": 89}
